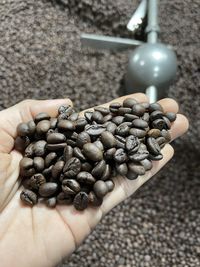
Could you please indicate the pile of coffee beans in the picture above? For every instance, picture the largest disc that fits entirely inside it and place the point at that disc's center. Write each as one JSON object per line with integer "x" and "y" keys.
{"x": 71, "y": 159}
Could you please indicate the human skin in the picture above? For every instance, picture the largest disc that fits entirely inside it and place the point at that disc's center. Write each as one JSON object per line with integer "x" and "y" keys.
{"x": 40, "y": 236}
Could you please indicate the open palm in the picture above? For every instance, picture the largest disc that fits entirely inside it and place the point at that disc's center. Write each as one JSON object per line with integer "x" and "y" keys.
{"x": 40, "y": 236}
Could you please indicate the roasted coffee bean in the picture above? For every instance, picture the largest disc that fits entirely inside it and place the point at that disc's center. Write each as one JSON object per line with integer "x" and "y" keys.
{"x": 28, "y": 197}
{"x": 104, "y": 111}
{"x": 167, "y": 123}
{"x": 53, "y": 123}
{"x": 157, "y": 114}
{"x": 155, "y": 106}
{"x": 130, "y": 117}
{"x": 72, "y": 167}
{"x": 43, "y": 127}
{"x": 140, "y": 133}
{"x": 21, "y": 142}
{"x": 99, "y": 145}
{"x": 88, "y": 115}
{"x": 120, "y": 141}
{"x": 80, "y": 124}
{"x": 81, "y": 201}
{"x": 74, "y": 116}
{"x": 109, "y": 154}
{"x": 123, "y": 129}
{"x": 94, "y": 200}
{"x": 51, "y": 202}
{"x": 38, "y": 163}
{"x": 120, "y": 138}
{"x": 94, "y": 130}
{"x": 131, "y": 175}
{"x": 160, "y": 140}
{"x": 41, "y": 116}
{"x": 27, "y": 173}
{"x": 92, "y": 152}
{"x": 97, "y": 116}
{"x": 39, "y": 148}
{"x": 136, "y": 168}
{"x": 63, "y": 109}
{"x": 57, "y": 169}
{"x": 37, "y": 180}
{"x": 114, "y": 107}
{"x": 83, "y": 138}
{"x": 68, "y": 153}
{"x": 71, "y": 142}
{"x": 50, "y": 131}
{"x": 146, "y": 117}
{"x": 139, "y": 123}
{"x": 64, "y": 199}
{"x": 23, "y": 129}
{"x": 138, "y": 110}
{"x": 108, "y": 139}
{"x": 139, "y": 155}
{"x": 132, "y": 143}
{"x": 32, "y": 127}
{"x": 48, "y": 189}
{"x": 106, "y": 173}
{"x": 147, "y": 164}
{"x": 66, "y": 125}
{"x": 118, "y": 120}
{"x": 26, "y": 163}
{"x": 107, "y": 118}
{"x": 154, "y": 133}
{"x": 124, "y": 110}
{"x": 70, "y": 186}
{"x": 120, "y": 155}
{"x": 85, "y": 178}
{"x": 110, "y": 185}
{"x": 56, "y": 138}
{"x": 100, "y": 189}
{"x": 78, "y": 154}
{"x": 99, "y": 169}
{"x": 50, "y": 159}
{"x": 62, "y": 116}
{"x": 153, "y": 146}
{"x": 47, "y": 172}
{"x": 122, "y": 169}
{"x": 70, "y": 110}
{"x": 166, "y": 135}
{"x": 111, "y": 127}
{"x": 155, "y": 157}
{"x": 171, "y": 116}
{"x": 26, "y": 183}
{"x": 56, "y": 147}
{"x": 129, "y": 102}
{"x": 85, "y": 166}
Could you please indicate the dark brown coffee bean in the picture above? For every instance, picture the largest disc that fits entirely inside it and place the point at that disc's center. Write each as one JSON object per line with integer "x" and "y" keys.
{"x": 94, "y": 200}
{"x": 110, "y": 185}
{"x": 157, "y": 114}
{"x": 120, "y": 138}
{"x": 92, "y": 152}
{"x": 29, "y": 151}
{"x": 78, "y": 154}
{"x": 129, "y": 102}
{"x": 41, "y": 116}
{"x": 94, "y": 130}
{"x": 140, "y": 133}
{"x": 166, "y": 135}
{"x": 99, "y": 169}
{"x": 63, "y": 199}
{"x": 85, "y": 166}
{"x": 118, "y": 120}
{"x": 62, "y": 116}
{"x": 51, "y": 202}
{"x": 99, "y": 145}
{"x": 160, "y": 140}
{"x": 120, "y": 155}
{"x": 70, "y": 186}
{"x": 56, "y": 138}
{"x": 39, "y": 148}
{"x": 47, "y": 171}
{"x": 57, "y": 169}
{"x": 122, "y": 169}
{"x": 107, "y": 118}
{"x": 66, "y": 125}
{"x": 114, "y": 107}
{"x": 37, "y": 180}
{"x": 124, "y": 110}
{"x": 81, "y": 201}
{"x": 73, "y": 116}
{"x": 72, "y": 167}
{"x": 131, "y": 175}
{"x": 132, "y": 143}
{"x": 85, "y": 178}
{"x": 109, "y": 154}
{"x": 53, "y": 123}
{"x": 154, "y": 133}
{"x": 153, "y": 146}
{"x": 146, "y": 117}
{"x": 26, "y": 163}
{"x": 56, "y": 147}
{"x": 139, "y": 123}
{"x": 147, "y": 164}
{"x": 155, "y": 106}
{"x": 136, "y": 168}
{"x": 80, "y": 124}
{"x": 106, "y": 173}
{"x": 155, "y": 157}
{"x": 104, "y": 111}
{"x": 38, "y": 163}
{"x": 63, "y": 108}
{"x": 26, "y": 183}
{"x": 111, "y": 127}
{"x": 171, "y": 116}
{"x": 68, "y": 153}
{"x": 120, "y": 144}
{"x": 42, "y": 127}
{"x": 32, "y": 127}
{"x": 138, "y": 110}
{"x": 48, "y": 189}
{"x": 123, "y": 129}
{"x": 28, "y": 197}
{"x": 83, "y": 138}
{"x": 108, "y": 139}
{"x": 22, "y": 129}
{"x": 100, "y": 189}
{"x": 130, "y": 117}
{"x": 97, "y": 116}
{"x": 167, "y": 123}
{"x": 88, "y": 115}
{"x": 69, "y": 111}
{"x": 27, "y": 173}
{"x": 21, "y": 142}
{"x": 50, "y": 159}
{"x": 139, "y": 155}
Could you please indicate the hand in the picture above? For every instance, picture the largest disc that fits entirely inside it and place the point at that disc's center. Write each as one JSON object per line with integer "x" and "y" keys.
{"x": 40, "y": 236}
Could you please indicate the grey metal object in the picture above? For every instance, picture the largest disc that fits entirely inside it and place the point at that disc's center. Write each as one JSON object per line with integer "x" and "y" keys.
{"x": 152, "y": 65}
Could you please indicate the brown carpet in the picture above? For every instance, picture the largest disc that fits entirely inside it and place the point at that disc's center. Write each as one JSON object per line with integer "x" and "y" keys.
{"x": 41, "y": 57}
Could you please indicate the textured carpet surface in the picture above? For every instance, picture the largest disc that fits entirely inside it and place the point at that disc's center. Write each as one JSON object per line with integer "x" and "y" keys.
{"x": 41, "y": 57}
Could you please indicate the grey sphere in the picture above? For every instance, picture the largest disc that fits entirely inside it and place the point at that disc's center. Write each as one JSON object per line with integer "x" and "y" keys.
{"x": 151, "y": 64}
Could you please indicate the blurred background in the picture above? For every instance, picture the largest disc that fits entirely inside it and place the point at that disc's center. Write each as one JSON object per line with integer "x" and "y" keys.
{"x": 41, "y": 58}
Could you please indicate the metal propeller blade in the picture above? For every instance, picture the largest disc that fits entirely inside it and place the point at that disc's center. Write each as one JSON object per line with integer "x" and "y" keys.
{"x": 138, "y": 16}
{"x": 107, "y": 42}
